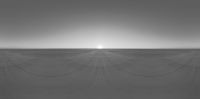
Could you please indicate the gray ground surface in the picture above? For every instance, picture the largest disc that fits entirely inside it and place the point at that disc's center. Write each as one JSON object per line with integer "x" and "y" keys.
{"x": 100, "y": 74}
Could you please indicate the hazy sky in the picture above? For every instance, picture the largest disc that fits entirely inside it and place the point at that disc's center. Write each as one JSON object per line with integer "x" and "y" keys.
{"x": 110, "y": 23}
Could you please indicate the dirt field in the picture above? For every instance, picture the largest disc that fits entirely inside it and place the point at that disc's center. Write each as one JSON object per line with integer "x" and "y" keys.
{"x": 99, "y": 74}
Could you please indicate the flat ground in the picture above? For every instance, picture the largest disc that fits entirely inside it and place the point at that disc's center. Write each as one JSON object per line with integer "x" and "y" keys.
{"x": 99, "y": 74}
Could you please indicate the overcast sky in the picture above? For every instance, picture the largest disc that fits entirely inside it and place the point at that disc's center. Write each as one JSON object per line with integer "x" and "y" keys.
{"x": 89, "y": 23}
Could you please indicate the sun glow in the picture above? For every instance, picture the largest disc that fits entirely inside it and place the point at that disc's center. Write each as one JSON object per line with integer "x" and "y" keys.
{"x": 99, "y": 47}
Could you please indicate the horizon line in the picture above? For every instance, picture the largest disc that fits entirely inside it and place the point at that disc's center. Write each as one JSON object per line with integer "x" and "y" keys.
{"x": 96, "y": 48}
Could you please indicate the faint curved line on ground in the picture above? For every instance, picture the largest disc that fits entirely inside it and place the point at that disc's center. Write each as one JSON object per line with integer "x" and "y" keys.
{"x": 107, "y": 78}
{"x": 153, "y": 76}
{"x": 73, "y": 91}
{"x": 92, "y": 80}
{"x": 51, "y": 76}
{"x": 121, "y": 90}
{"x": 81, "y": 68}
{"x": 69, "y": 58}
{"x": 159, "y": 75}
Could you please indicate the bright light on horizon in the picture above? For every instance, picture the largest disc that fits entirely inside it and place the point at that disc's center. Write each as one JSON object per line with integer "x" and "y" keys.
{"x": 99, "y": 47}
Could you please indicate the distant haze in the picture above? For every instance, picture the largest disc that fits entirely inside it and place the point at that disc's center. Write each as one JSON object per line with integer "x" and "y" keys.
{"x": 90, "y": 23}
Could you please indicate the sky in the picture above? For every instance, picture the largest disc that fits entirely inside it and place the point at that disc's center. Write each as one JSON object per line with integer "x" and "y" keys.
{"x": 93, "y": 23}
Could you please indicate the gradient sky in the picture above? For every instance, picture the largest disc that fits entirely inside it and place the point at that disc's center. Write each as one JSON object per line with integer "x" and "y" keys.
{"x": 89, "y": 23}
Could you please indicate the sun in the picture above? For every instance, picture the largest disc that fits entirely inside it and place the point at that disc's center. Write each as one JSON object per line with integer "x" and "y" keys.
{"x": 99, "y": 47}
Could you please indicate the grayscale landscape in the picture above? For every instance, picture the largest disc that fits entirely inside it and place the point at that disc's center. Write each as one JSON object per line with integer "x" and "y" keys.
{"x": 99, "y": 74}
{"x": 99, "y": 49}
